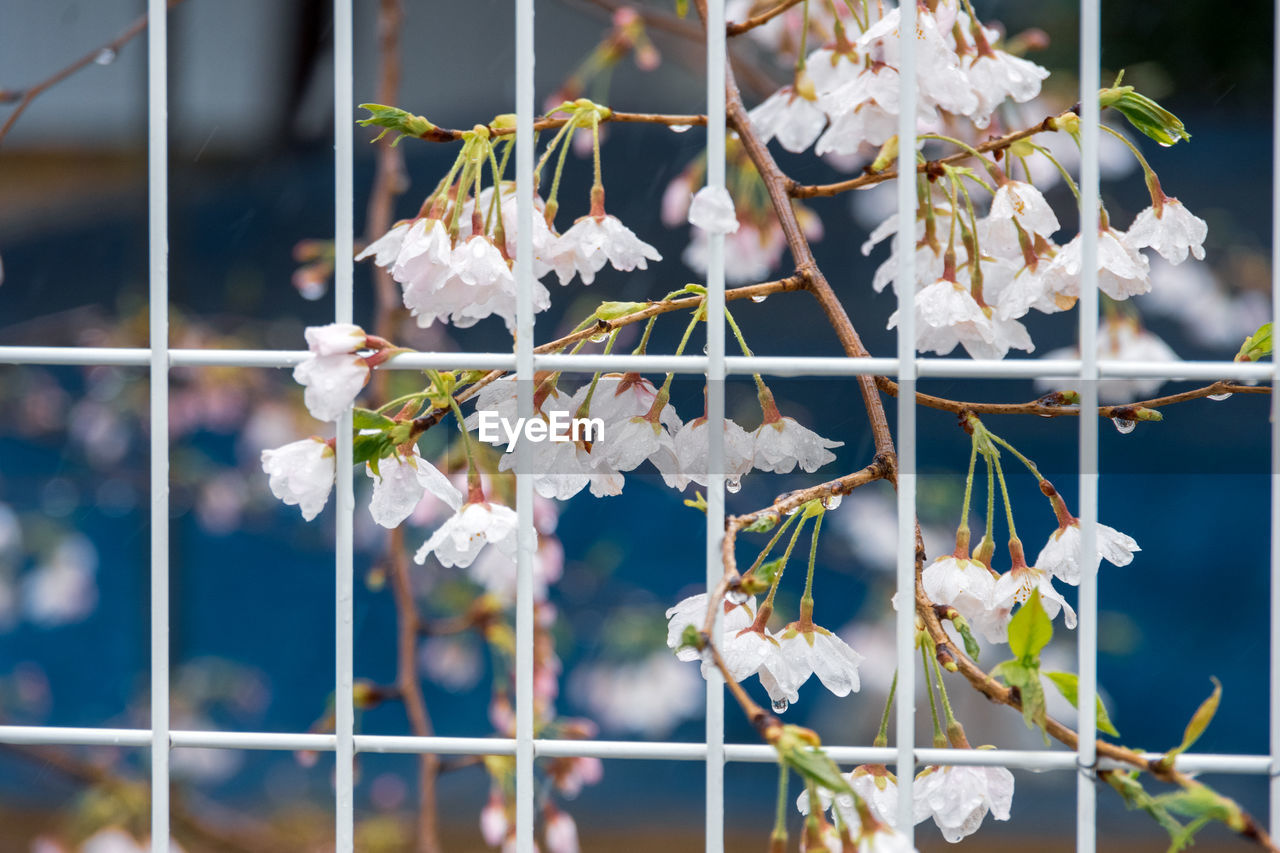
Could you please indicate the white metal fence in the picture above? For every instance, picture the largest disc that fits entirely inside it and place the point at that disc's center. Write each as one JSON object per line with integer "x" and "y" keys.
{"x": 715, "y": 365}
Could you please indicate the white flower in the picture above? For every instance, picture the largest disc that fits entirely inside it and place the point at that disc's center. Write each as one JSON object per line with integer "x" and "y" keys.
{"x": 692, "y": 446}
{"x": 819, "y": 652}
{"x": 782, "y": 443}
{"x": 941, "y": 79}
{"x": 301, "y": 474}
{"x": 1016, "y": 585}
{"x": 633, "y": 441}
{"x": 1122, "y": 271}
{"x": 650, "y": 696}
{"x": 745, "y": 650}
{"x": 561, "y": 833}
{"x": 968, "y": 586}
{"x": 1018, "y": 202}
{"x": 794, "y": 119}
{"x": 873, "y": 783}
{"x": 885, "y": 841}
{"x": 334, "y": 339}
{"x": 423, "y": 261}
{"x": 593, "y": 241}
{"x": 1172, "y": 232}
{"x": 331, "y": 382}
{"x": 996, "y": 75}
{"x": 474, "y": 525}
{"x": 1120, "y": 339}
{"x": 493, "y": 820}
{"x": 947, "y": 314}
{"x": 387, "y": 247}
{"x": 400, "y": 484}
{"x": 712, "y": 211}
{"x": 1061, "y": 556}
{"x": 958, "y": 798}
{"x": 864, "y": 111}
{"x": 749, "y": 253}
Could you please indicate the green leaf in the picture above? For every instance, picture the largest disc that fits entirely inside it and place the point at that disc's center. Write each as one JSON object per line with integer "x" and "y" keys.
{"x": 393, "y": 118}
{"x": 1068, "y": 684}
{"x": 366, "y": 419}
{"x": 614, "y": 310}
{"x": 1136, "y": 797}
{"x": 1199, "y": 722}
{"x": 1026, "y": 677}
{"x": 1257, "y": 346}
{"x": 371, "y": 448}
{"x": 814, "y": 765}
{"x": 691, "y": 638}
{"x": 1198, "y": 801}
{"x": 1030, "y": 630}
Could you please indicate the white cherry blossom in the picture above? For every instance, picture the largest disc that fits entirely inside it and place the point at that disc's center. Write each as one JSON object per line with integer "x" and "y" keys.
{"x": 386, "y": 248}
{"x": 873, "y": 783}
{"x": 331, "y": 382}
{"x": 996, "y": 75}
{"x": 1061, "y": 555}
{"x": 959, "y": 798}
{"x": 561, "y": 833}
{"x": 712, "y": 211}
{"x": 792, "y": 118}
{"x": 477, "y": 523}
{"x": 400, "y": 483}
{"x": 592, "y": 242}
{"x": 782, "y": 443}
{"x": 968, "y": 586}
{"x": 947, "y": 314}
{"x": 1172, "y": 232}
{"x": 1015, "y": 201}
{"x": 814, "y": 650}
{"x": 1122, "y": 271}
{"x": 1015, "y": 587}
{"x": 335, "y": 339}
{"x": 1119, "y": 339}
{"x": 301, "y": 474}
{"x": 424, "y": 260}
{"x": 692, "y": 446}
{"x": 746, "y": 650}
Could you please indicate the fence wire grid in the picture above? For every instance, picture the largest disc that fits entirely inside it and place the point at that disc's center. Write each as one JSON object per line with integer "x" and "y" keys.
{"x": 715, "y": 365}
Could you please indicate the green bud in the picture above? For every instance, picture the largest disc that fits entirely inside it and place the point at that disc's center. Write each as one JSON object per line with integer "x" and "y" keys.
{"x": 393, "y": 118}
{"x": 614, "y": 310}
{"x": 691, "y": 638}
{"x": 1144, "y": 114}
{"x": 887, "y": 157}
{"x": 698, "y": 501}
{"x": 764, "y": 523}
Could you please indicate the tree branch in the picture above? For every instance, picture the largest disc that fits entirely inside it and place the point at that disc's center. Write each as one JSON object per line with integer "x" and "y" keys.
{"x": 764, "y": 17}
{"x": 25, "y": 97}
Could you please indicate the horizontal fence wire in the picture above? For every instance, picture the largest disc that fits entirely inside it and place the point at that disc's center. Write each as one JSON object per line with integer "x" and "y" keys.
{"x": 1016, "y": 759}
{"x": 781, "y": 365}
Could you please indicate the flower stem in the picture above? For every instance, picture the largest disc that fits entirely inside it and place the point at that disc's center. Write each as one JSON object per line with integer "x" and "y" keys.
{"x": 786, "y": 556}
{"x": 746, "y": 350}
{"x": 1004, "y": 493}
{"x": 564, "y": 154}
{"x": 806, "y": 600}
{"x": 882, "y": 736}
{"x": 1062, "y": 170}
{"x": 779, "y": 834}
{"x": 939, "y": 739}
{"x": 968, "y": 491}
{"x": 595, "y": 147}
{"x": 773, "y": 541}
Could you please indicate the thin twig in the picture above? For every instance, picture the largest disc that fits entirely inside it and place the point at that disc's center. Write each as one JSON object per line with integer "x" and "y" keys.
{"x": 25, "y": 97}
{"x": 550, "y": 122}
{"x": 764, "y": 17}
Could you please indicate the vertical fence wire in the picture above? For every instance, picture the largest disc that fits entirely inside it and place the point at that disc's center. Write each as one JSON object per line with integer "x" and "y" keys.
{"x": 715, "y": 376}
{"x": 906, "y": 287}
{"x": 1087, "y": 628}
{"x": 344, "y": 503}
{"x": 158, "y": 235}
{"x": 524, "y": 403}
{"x": 1274, "y": 789}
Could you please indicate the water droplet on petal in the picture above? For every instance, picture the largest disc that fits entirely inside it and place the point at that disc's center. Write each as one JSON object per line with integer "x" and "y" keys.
{"x": 1220, "y": 397}
{"x": 1124, "y": 427}
{"x": 831, "y": 501}
{"x": 736, "y": 596}
{"x": 679, "y": 128}
{"x": 106, "y": 56}
{"x": 1046, "y": 416}
{"x": 705, "y": 348}
{"x": 780, "y": 705}
{"x": 733, "y": 486}
{"x": 761, "y": 298}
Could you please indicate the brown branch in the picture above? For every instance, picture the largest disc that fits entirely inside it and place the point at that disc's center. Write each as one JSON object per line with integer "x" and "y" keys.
{"x": 25, "y": 97}
{"x": 1048, "y": 410}
{"x": 408, "y": 626}
{"x": 999, "y": 143}
{"x": 764, "y": 17}
{"x": 550, "y": 122}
